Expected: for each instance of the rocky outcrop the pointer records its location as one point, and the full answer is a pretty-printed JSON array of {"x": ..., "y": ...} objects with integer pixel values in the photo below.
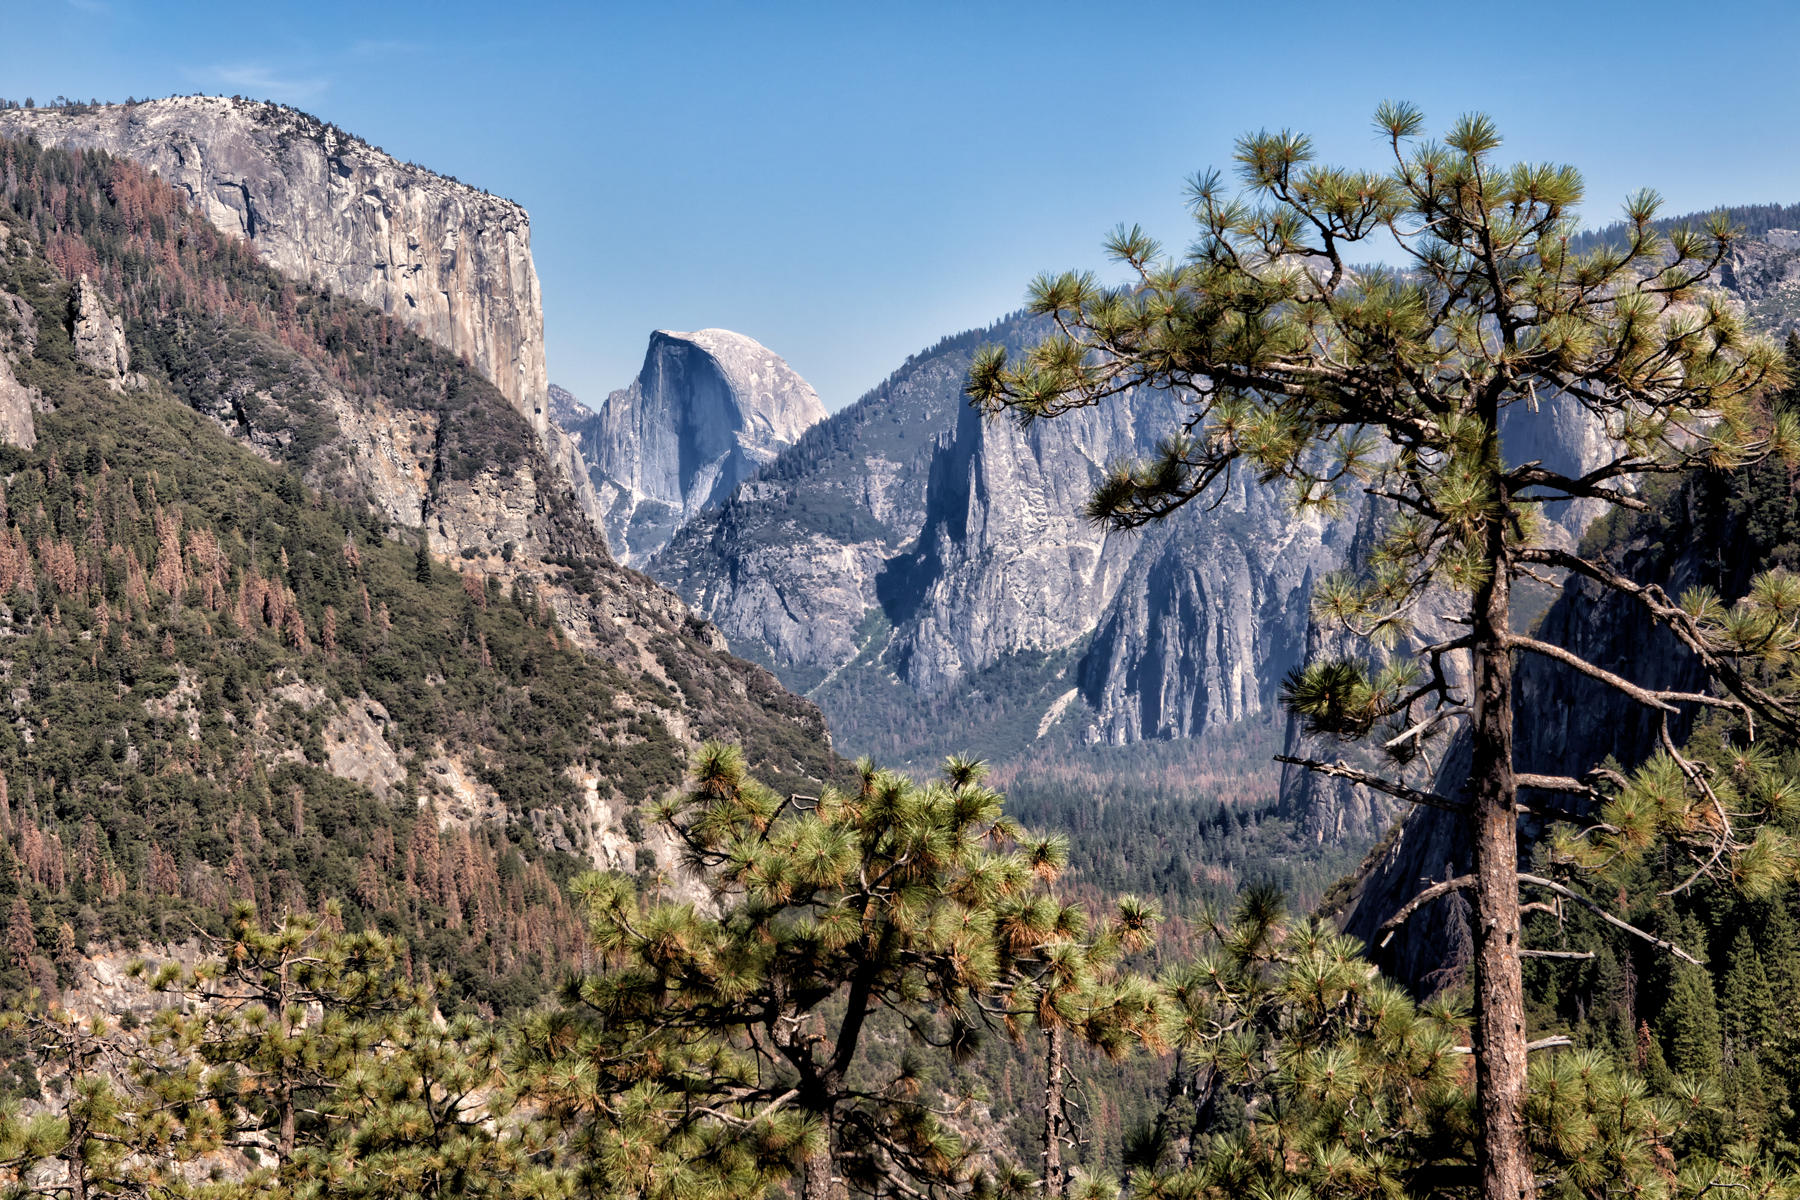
[
  {"x": 705, "y": 412},
  {"x": 18, "y": 403},
  {"x": 18, "y": 337},
  {"x": 452, "y": 262},
  {"x": 1764, "y": 272},
  {"x": 1187, "y": 627},
  {"x": 565, "y": 410},
  {"x": 99, "y": 335},
  {"x": 801, "y": 565}
]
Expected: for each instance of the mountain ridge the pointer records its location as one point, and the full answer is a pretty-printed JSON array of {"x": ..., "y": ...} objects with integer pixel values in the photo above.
[
  {"x": 705, "y": 412},
  {"x": 322, "y": 206},
  {"x": 200, "y": 577}
]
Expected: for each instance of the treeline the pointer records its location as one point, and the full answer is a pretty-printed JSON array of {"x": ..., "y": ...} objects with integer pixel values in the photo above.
[
  {"x": 1192, "y": 822},
  {"x": 192, "y": 642},
  {"x": 1754, "y": 220}
]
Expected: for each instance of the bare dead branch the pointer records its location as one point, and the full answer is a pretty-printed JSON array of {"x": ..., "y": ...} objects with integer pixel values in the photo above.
[
  {"x": 1663, "y": 701},
  {"x": 1343, "y": 770},
  {"x": 1392, "y": 925},
  {"x": 1615, "y": 922},
  {"x": 1577, "y": 955}
]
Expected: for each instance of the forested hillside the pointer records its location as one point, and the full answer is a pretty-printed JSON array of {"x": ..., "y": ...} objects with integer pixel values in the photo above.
[{"x": 233, "y": 676}]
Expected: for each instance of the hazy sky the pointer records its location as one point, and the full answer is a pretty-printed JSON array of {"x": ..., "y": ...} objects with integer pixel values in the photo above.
[{"x": 848, "y": 182}]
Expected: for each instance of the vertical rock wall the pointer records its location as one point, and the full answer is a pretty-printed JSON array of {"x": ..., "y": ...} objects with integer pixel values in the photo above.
[
  {"x": 453, "y": 262},
  {"x": 707, "y": 409}
]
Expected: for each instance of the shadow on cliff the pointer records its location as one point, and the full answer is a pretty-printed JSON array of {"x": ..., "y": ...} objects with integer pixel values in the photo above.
[{"x": 1712, "y": 529}]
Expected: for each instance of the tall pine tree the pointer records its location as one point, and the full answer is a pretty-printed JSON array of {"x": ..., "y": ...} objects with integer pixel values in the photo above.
[{"x": 1390, "y": 386}]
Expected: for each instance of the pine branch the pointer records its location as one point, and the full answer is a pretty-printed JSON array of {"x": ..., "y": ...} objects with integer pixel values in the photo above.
[{"x": 1343, "y": 770}]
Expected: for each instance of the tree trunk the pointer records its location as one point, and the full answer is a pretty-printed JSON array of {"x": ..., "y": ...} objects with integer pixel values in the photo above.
[
  {"x": 816, "y": 1182},
  {"x": 78, "y": 1181},
  {"x": 289, "y": 1123},
  {"x": 1054, "y": 1180},
  {"x": 285, "y": 1140},
  {"x": 1499, "y": 1040}
]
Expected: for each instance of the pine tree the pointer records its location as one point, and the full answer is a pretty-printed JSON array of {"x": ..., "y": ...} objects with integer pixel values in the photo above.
[
  {"x": 21, "y": 935},
  {"x": 735, "y": 1029},
  {"x": 1355, "y": 1087},
  {"x": 427, "y": 1117},
  {"x": 282, "y": 1015},
  {"x": 1390, "y": 386},
  {"x": 1748, "y": 1009},
  {"x": 121, "y": 1119},
  {"x": 1064, "y": 975},
  {"x": 1690, "y": 1025}
]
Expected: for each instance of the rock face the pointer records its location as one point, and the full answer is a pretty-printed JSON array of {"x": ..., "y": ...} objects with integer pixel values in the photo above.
[
  {"x": 99, "y": 336},
  {"x": 565, "y": 410},
  {"x": 420, "y": 438},
  {"x": 907, "y": 540},
  {"x": 325, "y": 208},
  {"x": 18, "y": 425},
  {"x": 1764, "y": 272},
  {"x": 705, "y": 412},
  {"x": 318, "y": 204},
  {"x": 906, "y": 556},
  {"x": 1183, "y": 629},
  {"x": 18, "y": 338}
]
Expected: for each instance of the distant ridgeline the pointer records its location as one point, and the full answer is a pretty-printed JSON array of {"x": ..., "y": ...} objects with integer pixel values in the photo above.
[
  {"x": 233, "y": 669},
  {"x": 1754, "y": 220}
]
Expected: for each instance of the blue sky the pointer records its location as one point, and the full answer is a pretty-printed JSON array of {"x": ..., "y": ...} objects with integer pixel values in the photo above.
[{"x": 849, "y": 182}]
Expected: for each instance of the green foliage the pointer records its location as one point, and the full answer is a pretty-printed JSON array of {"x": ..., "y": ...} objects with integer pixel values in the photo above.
[
  {"x": 304, "y": 1046},
  {"x": 1347, "y": 383},
  {"x": 1303, "y": 1073},
  {"x": 737, "y": 1028}
]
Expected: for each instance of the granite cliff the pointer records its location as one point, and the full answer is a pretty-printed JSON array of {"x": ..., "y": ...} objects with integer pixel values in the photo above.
[
  {"x": 213, "y": 605},
  {"x": 323, "y": 206},
  {"x": 906, "y": 556},
  {"x": 706, "y": 411}
]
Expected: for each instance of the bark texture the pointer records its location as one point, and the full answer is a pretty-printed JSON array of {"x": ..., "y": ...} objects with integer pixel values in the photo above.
[
  {"x": 1499, "y": 1037},
  {"x": 1055, "y": 1059}
]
